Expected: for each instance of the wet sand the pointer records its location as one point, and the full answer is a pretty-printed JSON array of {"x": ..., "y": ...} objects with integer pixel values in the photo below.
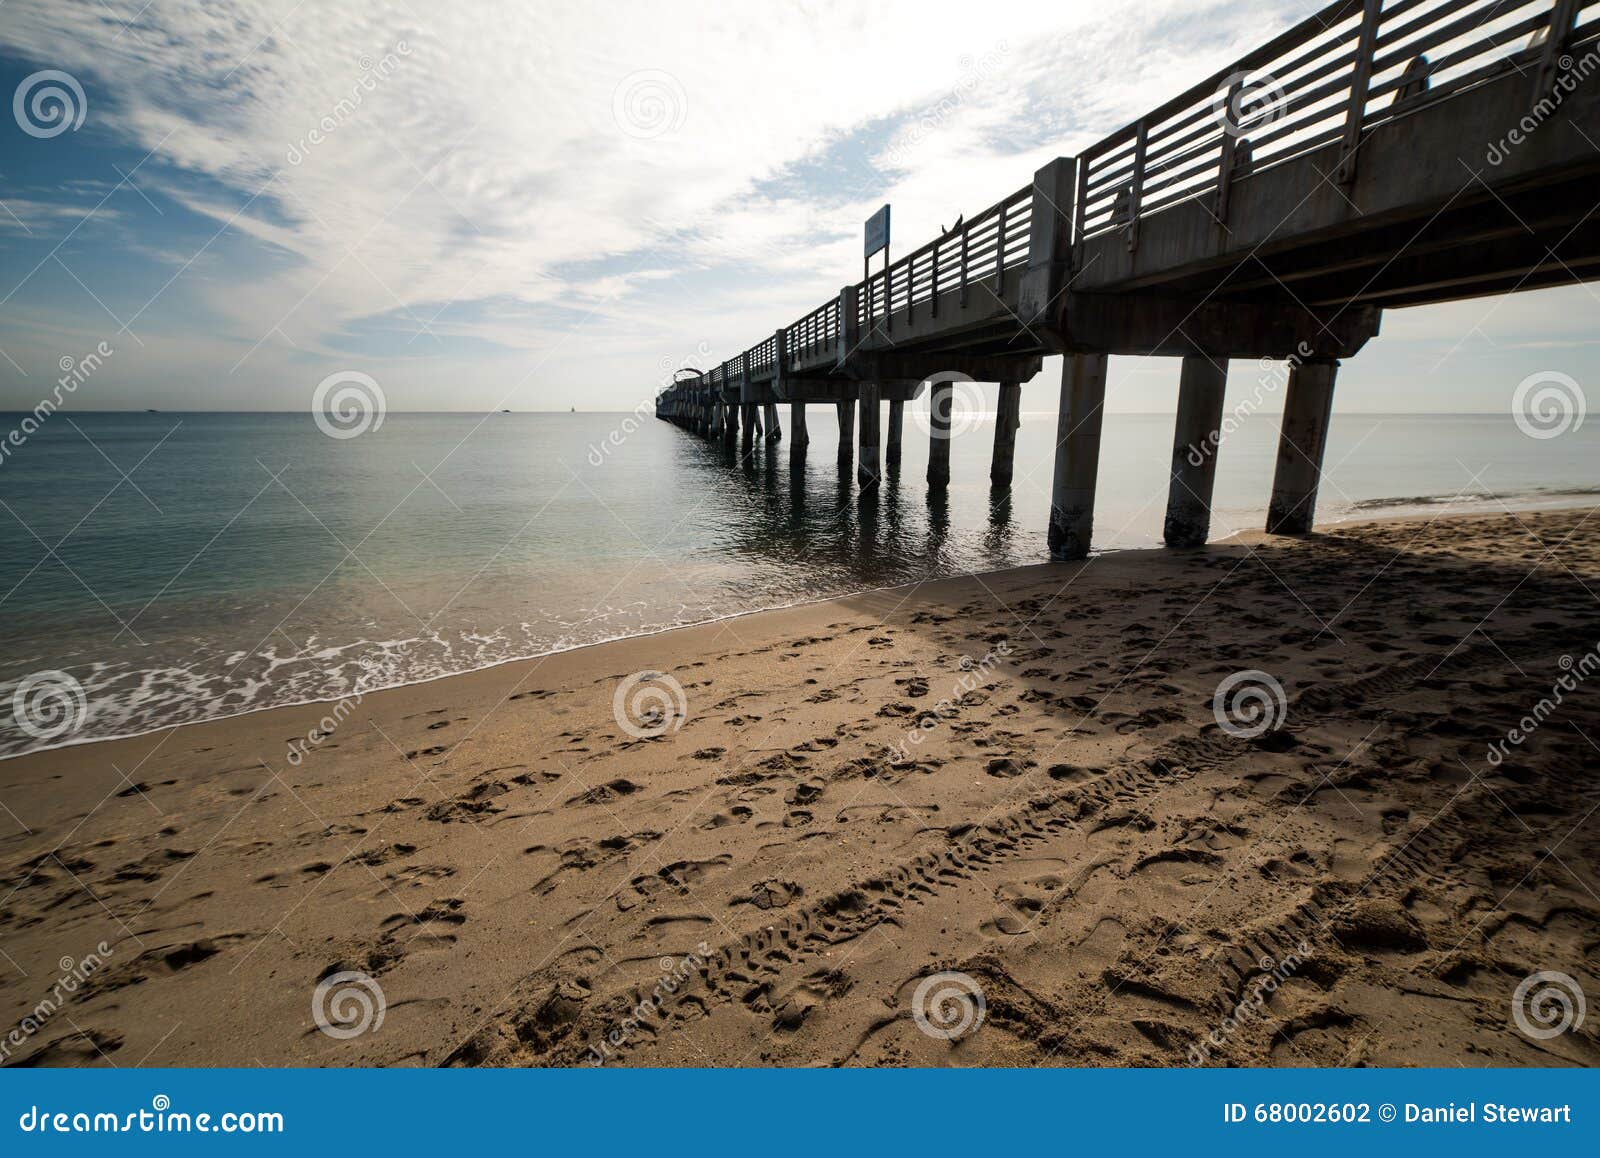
[{"x": 768, "y": 868}]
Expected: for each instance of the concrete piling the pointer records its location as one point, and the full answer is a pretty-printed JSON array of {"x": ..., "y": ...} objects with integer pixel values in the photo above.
[
  {"x": 891, "y": 453},
  {"x": 1083, "y": 397},
  {"x": 1307, "y": 409},
  {"x": 800, "y": 438},
  {"x": 939, "y": 401},
  {"x": 869, "y": 454},
  {"x": 1201, "y": 386},
  {"x": 774, "y": 431},
  {"x": 1008, "y": 417},
  {"x": 847, "y": 429}
]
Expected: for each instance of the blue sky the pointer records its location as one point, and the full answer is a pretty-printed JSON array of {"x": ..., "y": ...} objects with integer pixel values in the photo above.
[{"x": 552, "y": 205}]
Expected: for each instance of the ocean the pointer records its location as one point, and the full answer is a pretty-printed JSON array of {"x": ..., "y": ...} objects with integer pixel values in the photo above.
[{"x": 182, "y": 567}]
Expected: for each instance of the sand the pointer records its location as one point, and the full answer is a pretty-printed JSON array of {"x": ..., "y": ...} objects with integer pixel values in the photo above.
[{"x": 1109, "y": 876}]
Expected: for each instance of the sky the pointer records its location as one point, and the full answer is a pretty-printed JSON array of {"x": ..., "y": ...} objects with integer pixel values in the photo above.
[{"x": 535, "y": 206}]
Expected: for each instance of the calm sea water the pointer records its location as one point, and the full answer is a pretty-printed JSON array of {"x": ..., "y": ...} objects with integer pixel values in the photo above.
[{"x": 189, "y": 566}]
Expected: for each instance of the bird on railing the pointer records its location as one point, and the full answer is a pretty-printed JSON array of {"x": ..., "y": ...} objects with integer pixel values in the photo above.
[
  {"x": 1414, "y": 80},
  {"x": 956, "y": 228}
]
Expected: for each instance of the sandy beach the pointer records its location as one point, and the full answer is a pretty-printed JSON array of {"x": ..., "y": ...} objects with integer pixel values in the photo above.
[{"x": 1022, "y": 778}]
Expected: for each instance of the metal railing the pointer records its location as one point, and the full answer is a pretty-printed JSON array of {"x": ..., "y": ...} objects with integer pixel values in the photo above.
[
  {"x": 1333, "y": 77},
  {"x": 1345, "y": 70},
  {"x": 976, "y": 253}
]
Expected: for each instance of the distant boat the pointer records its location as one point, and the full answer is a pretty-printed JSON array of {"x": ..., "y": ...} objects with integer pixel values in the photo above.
[
  {"x": 574, "y": 410},
  {"x": 505, "y": 412},
  {"x": 151, "y": 410}
]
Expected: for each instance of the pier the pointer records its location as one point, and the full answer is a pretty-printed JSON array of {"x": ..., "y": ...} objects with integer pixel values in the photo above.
[{"x": 1381, "y": 153}]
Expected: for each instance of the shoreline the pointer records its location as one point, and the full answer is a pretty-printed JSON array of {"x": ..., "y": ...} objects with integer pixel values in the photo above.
[
  {"x": 1571, "y": 500},
  {"x": 506, "y": 856}
]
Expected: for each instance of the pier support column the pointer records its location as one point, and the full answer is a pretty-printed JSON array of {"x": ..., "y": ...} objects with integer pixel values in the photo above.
[
  {"x": 1307, "y": 409},
  {"x": 869, "y": 452},
  {"x": 774, "y": 431},
  {"x": 940, "y": 396},
  {"x": 1083, "y": 398},
  {"x": 847, "y": 429},
  {"x": 897, "y": 416},
  {"x": 731, "y": 430},
  {"x": 748, "y": 412},
  {"x": 1201, "y": 386},
  {"x": 800, "y": 437},
  {"x": 1007, "y": 418}
]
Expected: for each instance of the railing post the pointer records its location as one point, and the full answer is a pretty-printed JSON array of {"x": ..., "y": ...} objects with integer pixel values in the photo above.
[
  {"x": 1080, "y": 203},
  {"x": 1136, "y": 190},
  {"x": 849, "y": 325},
  {"x": 964, "y": 237},
  {"x": 1562, "y": 18},
  {"x": 1051, "y": 233},
  {"x": 1225, "y": 164},
  {"x": 1360, "y": 81},
  {"x": 1000, "y": 253}
]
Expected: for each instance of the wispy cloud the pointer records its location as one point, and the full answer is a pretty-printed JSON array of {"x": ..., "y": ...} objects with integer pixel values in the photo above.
[{"x": 478, "y": 199}]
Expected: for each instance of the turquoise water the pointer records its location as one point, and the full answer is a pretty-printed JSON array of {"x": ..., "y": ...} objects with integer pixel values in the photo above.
[{"x": 188, "y": 566}]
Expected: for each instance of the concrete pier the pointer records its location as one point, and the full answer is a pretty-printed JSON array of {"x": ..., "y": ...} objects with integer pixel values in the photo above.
[
  {"x": 774, "y": 431},
  {"x": 1008, "y": 416},
  {"x": 847, "y": 429},
  {"x": 869, "y": 437},
  {"x": 891, "y": 450},
  {"x": 1306, "y": 412},
  {"x": 1201, "y": 386},
  {"x": 748, "y": 413},
  {"x": 800, "y": 438},
  {"x": 731, "y": 430},
  {"x": 939, "y": 401},
  {"x": 1083, "y": 397}
]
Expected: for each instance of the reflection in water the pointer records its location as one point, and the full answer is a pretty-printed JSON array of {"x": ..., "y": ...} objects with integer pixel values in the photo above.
[{"x": 536, "y": 532}]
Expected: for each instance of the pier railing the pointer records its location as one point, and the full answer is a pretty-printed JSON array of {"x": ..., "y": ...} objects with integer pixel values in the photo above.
[
  {"x": 985, "y": 248},
  {"x": 1350, "y": 67},
  {"x": 1339, "y": 73}
]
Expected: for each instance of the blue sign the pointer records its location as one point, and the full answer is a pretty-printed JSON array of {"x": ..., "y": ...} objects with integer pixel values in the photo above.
[{"x": 877, "y": 231}]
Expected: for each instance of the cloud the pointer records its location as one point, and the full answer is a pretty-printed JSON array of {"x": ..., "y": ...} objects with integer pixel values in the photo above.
[{"x": 557, "y": 199}]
